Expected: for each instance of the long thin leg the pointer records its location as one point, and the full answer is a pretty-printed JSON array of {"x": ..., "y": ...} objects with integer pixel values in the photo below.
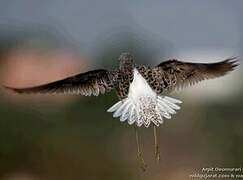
[
  {"x": 156, "y": 145},
  {"x": 139, "y": 153}
]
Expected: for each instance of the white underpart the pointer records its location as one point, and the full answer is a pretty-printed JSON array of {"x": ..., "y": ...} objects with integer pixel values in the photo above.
[{"x": 143, "y": 105}]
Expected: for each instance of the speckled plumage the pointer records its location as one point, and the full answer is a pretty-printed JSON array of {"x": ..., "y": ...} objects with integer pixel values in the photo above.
[
  {"x": 149, "y": 105},
  {"x": 173, "y": 74},
  {"x": 139, "y": 88},
  {"x": 165, "y": 77}
]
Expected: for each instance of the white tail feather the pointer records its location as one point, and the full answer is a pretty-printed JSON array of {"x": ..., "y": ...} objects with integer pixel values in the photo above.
[
  {"x": 128, "y": 110},
  {"x": 166, "y": 107},
  {"x": 172, "y": 105},
  {"x": 126, "y": 113},
  {"x": 163, "y": 112},
  {"x": 173, "y": 100},
  {"x": 115, "y": 107},
  {"x": 120, "y": 109},
  {"x": 143, "y": 105},
  {"x": 132, "y": 117}
]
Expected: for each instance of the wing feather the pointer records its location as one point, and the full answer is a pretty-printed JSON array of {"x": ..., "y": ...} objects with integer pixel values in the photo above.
[
  {"x": 178, "y": 74},
  {"x": 89, "y": 83}
]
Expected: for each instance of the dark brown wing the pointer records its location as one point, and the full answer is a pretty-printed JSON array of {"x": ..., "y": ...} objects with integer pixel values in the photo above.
[
  {"x": 87, "y": 84},
  {"x": 177, "y": 74}
]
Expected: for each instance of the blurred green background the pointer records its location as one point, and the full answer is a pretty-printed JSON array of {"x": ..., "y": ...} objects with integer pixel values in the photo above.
[{"x": 65, "y": 137}]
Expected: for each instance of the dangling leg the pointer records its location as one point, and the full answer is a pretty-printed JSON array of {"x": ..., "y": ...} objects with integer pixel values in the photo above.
[
  {"x": 139, "y": 153},
  {"x": 156, "y": 145}
]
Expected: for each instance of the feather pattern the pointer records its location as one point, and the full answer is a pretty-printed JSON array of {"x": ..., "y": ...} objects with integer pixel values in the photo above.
[
  {"x": 174, "y": 74},
  {"x": 143, "y": 105},
  {"x": 133, "y": 112},
  {"x": 90, "y": 83},
  {"x": 139, "y": 88}
]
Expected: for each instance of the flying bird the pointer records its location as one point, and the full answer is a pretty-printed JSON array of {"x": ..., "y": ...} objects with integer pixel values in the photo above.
[{"x": 140, "y": 89}]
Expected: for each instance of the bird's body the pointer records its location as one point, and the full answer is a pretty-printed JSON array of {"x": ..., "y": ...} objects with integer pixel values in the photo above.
[
  {"x": 142, "y": 105},
  {"x": 140, "y": 89}
]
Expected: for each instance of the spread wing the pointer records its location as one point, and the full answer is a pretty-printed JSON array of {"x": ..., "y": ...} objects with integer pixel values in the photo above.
[
  {"x": 90, "y": 83},
  {"x": 177, "y": 74}
]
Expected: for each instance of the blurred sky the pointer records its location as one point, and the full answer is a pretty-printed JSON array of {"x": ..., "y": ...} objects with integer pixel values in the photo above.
[{"x": 183, "y": 24}]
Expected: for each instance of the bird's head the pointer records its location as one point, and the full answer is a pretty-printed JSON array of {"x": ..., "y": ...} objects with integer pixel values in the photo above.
[{"x": 126, "y": 61}]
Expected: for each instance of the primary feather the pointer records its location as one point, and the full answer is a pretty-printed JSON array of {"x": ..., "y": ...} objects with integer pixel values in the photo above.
[{"x": 90, "y": 83}]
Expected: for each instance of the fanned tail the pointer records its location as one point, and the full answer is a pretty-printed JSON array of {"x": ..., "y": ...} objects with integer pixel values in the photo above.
[{"x": 146, "y": 110}]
